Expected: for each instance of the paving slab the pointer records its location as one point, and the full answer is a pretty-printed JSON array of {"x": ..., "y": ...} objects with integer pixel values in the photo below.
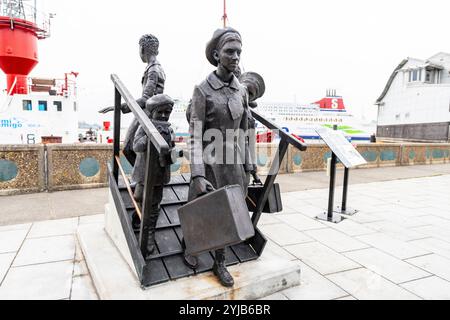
[
  {"x": 314, "y": 286},
  {"x": 321, "y": 258},
  {"x": 83, "y": 289},
  {"x": 364, "y": 284},
  {"x": 396, "y": 231},
  {"x": 278, "y": 250},
  {"x": 434, "y": 264},
  {"x": 437, "y": 246},
  {"x": 401, "y": 220},
  {"x": 53, "y": 228},
  {"x": 16, "y": 227},
  {"x": 300, "y": 222},
  {"x": 275, "y": 297},
  {"x": 10, "y": 241},
  {"x": 6, "y": 260},
  {"x": 386, "y": 265},
  {"x": 363, "y": 218},
  {"x": 80, "y": 269},
  {"x": 433, "y": 231},
  {"x": 50, "y": 281},
  {"x": 432, "y": 288},
  {"x": 435, "y": 221},
  {"x": 312, "y": 211},
  {"x": 283, "y": 234},
  {"x": 336, "y": 240},
  {"x": 349, "y": 298},
  {"x": 268, "y": 219},
  {"x": 351, "y": 228},
  {"x": 98, "y": 218},
  {"x": 44, "y": 250},
  {"x": 397, "y": 248}
]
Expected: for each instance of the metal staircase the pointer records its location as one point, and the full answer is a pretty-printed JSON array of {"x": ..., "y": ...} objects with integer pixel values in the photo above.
[{"x": 168, "y": 264}]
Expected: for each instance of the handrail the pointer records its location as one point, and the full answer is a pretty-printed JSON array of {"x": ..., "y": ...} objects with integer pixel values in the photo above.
[
  {"x": 289, "y": 138},
  {"x": 155, "y": 137},
  {"x": 128, "y": 186}
]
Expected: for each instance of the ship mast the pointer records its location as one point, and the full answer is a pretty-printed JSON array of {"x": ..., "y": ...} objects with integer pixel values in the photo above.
[{"x": 225, "y": 16}]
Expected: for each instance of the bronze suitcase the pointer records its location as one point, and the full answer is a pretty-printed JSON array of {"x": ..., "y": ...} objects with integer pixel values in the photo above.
[
  {"x": 217, "y": 220},
  {"x": 273, "y": 204}
]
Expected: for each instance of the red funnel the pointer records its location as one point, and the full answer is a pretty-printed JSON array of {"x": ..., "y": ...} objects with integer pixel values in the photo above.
[{"x": 18, "y": 52}]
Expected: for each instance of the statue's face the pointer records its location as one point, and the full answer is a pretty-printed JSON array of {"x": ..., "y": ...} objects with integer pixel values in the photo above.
[
  {"x": 162, "y": 113},
  {"x": 230, "y": 55},
  {"x": 142, "y": 54}
]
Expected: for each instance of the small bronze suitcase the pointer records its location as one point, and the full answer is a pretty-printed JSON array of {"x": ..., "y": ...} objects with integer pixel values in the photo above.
[
  {"x": 273, "y": 204},
  {"x": 217, "y": 220}
]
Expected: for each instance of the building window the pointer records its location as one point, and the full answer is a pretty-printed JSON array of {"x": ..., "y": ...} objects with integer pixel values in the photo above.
[
  {"x": 42, "y": 106},
  {"x": 27, "y": 106},
  {"x": 428, "y": 76},
  {"x": 397, "y": 117},
  {"x": 58, "y": 105},
  {"x": 75, "y": 106},
  {"x": 415, "y": 75},
  {"x": 407, "y": 115}
]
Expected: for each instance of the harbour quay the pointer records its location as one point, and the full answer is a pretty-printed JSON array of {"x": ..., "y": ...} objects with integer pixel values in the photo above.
[
  {"x": 396, "y": 247},
  {"x": 58, "y": 167}
]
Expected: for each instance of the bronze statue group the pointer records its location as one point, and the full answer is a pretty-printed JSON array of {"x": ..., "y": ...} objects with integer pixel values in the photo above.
[{"x": 221, "y": 103}]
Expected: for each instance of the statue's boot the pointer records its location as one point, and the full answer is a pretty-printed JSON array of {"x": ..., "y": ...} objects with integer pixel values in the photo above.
[
  {"x": 220, "y": 270},
  {"x": 190, "y": 261},
  {"x": 136, "y": 222},
  {"x": 138, "y": 196},
  {"x": 139, "y": 192},
  {"x": 151, "y": 246}
]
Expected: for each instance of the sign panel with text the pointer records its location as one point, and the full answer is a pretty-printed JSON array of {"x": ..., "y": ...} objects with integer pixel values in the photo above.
[{"x": 341, "y": 147}]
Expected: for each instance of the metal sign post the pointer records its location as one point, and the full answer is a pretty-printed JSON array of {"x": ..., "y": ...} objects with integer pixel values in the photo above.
[
  {"x": 349, "y": 157},
  {"x": 331, "y": 215},
  {"x": 343, "y": 209}
]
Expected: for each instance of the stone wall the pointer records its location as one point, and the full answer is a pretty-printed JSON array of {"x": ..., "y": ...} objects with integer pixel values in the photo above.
[
  {"x": 21, "y": 169},
  {"x": 64, "y": 167},
  {"x": 77, "y": 166}
]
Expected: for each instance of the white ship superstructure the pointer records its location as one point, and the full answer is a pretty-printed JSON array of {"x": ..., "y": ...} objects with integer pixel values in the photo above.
[
  {"x": 302, "y": 120},
  {"x": 27, "y": 118}
]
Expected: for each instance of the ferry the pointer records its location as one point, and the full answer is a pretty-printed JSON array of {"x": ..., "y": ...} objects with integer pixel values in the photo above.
[
  {"x": 303, "y": 120},
  {"x": 297, "y": 119}
]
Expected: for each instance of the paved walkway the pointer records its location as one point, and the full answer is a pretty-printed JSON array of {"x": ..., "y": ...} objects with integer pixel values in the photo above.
[
  {"x": 71, "y": 204},
  {"x": 396, "y": 247}
]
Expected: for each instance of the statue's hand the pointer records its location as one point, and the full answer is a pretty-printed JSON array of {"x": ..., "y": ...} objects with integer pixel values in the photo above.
[
  {"x": 201, "y": 186},
  {"x": 256, "y": 178},
  {"x": 253, "y": 104},
  {"x": 106, "y": 110}
]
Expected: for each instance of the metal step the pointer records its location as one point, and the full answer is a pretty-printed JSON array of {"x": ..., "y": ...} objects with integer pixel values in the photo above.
[{"x": 168, "y": 263}]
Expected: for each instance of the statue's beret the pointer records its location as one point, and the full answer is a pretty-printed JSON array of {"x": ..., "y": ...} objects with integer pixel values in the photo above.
[
  {"x": 212, "y": 44},
  {"x": 157, "y": 101}
]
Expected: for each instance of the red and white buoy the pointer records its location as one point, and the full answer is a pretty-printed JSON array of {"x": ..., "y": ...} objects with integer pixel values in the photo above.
[{"x": 20, "y": 29}]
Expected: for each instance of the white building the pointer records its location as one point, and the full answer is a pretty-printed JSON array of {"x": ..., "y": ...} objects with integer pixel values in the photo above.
[{"x": 415, "y": 104}]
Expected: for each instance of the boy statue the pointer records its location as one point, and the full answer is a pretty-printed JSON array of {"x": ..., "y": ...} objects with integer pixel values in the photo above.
[
  {"x": 153, "y": 82},
  {"x": 158, "y": 108}
]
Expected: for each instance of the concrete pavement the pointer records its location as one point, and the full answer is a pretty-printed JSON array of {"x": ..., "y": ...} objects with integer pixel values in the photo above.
[
  {"x": 70, "y": 204},
  {"x": 396, "y": 247}
]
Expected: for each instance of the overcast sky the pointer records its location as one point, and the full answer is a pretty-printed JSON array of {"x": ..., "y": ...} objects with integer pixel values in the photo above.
[{"x": 300, "y": 47}]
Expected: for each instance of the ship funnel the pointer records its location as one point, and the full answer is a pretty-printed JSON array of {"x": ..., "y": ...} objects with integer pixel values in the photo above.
[{"x": 20, "y": 28}]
